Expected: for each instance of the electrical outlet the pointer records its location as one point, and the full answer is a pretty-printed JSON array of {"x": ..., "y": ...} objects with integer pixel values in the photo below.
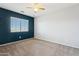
[{"x": 19, "y": 37}]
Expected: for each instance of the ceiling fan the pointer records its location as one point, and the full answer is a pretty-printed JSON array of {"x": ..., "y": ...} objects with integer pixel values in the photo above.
[{"x": 37, "y": 7}]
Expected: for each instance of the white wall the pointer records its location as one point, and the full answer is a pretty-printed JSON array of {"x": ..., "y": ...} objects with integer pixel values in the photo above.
[{"x": 60, "y": 27}]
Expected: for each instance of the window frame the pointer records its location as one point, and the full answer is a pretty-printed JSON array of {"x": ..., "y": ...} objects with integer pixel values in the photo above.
[{"x": 20, "y": 25}]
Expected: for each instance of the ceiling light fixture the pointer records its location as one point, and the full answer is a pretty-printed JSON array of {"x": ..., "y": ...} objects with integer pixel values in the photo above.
[{"x": 37, "y": 7}]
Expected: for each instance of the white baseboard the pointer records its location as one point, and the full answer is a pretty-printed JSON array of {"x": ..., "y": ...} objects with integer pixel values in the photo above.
[{"x": 37, "y": 37}]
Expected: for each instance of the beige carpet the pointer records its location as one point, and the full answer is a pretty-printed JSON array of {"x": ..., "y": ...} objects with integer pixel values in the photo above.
[{"x": 36, "y": 47}]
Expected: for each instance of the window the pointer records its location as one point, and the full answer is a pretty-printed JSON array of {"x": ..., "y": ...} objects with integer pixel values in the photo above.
[{"x": 19, "y": 25}]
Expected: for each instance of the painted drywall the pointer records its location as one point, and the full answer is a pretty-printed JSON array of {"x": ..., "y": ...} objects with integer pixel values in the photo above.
[
  {"x": 5, "y": 34},
  {"x": 60, "y": 27}
]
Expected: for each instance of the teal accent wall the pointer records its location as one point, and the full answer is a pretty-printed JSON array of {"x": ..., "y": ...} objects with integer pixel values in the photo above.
[{"x": 5, "y": 35}]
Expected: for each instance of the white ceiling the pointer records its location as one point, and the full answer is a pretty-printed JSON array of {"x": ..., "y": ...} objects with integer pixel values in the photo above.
[{"x": 50, "y": 7}]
